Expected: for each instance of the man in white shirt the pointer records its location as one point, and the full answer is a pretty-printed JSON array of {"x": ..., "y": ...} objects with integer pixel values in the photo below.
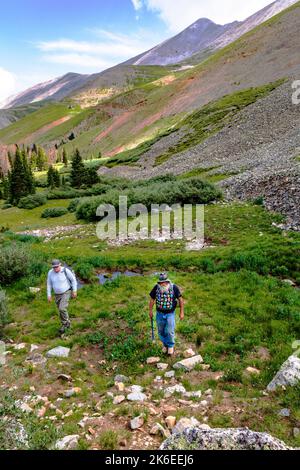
[{"x": 64, "y": 284}]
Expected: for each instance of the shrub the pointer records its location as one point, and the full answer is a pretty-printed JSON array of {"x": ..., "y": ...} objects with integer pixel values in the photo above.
[
  {"x": 54, "y": 212},
  {"x": 84, "y": 270},
  {"x": 6, "y": 206},
  {"x": 189, "y": 191},
  {"x": 14, "y": 263},
  {"x": 32, "y": 201},
  {"x": 73, "y": 205},
  {"x": 4, "y": 313}
]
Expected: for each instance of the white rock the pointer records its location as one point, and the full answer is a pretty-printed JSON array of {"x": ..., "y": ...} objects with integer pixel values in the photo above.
[
  {"x": 67, "y": 443},
  {"x": 288, "y": 374},
  {"x": 253, "y": 371},
  {"x": 178, "y": 388},
  {"x": 153, "y": 360},
  {"x": 136, "y": 396},
  {"x": 170, "y": 421},
  {"x": 188, "y": 364},
  {"x": 196, "y": 394},
  {"x": 33, "y": 347},
  {"x": 184, "y": 423},
  {"x": 170, "y": 374},
  {"x": 118, "y": 399},
  {"x": 162, "y": 366},
  {"x": 60, "y": 351},
  {"x": 20, "y": 346},
  {"x": 137, "y": 422},
  {"x": 135, "y": 388},
  {"x": 159, "y": 429},
  {"x": 188, "y": 353}
]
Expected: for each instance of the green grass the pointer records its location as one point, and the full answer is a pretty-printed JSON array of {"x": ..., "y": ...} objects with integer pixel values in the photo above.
[{"x": 18, "y": 131}]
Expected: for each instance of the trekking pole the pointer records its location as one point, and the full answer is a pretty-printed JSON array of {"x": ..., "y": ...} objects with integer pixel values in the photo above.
[{"x": 152, "y": 330}]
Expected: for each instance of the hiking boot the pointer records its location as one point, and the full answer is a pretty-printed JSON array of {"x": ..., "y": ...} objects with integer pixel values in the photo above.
[{"x": 170, "y": 351}]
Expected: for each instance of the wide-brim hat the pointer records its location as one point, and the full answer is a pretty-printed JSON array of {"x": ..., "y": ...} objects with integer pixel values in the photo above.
[{"x": 163, "y": 277}]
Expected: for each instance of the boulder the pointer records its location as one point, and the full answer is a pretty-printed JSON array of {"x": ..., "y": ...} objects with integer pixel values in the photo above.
[
  {"x": 67, "y": 443},
  {"x": 137, "y": 422},
  {"x": 170, "y": 374},
  {"x": 136, "y": 396},
  {"x": 153, "y": 360},
  {"x": 60, "y": 351},
  {"x": 288, "y": 374},
  {"x": 188, "y": 364},
  {"x": 285, "y": 412},
  {"x": 136, "y": 388},
  {"x": 195, "y": 438}
]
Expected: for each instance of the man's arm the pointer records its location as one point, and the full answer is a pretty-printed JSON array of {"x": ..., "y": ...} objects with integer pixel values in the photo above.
[
  {"x": 151, "y": 303},
  {"x": 49, "y": 287},
  {"x": 181, "y": 304}
]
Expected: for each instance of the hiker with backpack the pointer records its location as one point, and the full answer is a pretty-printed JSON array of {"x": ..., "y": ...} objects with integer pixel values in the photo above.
[
  {"x": 64, "y": 284},
  {"x": 165, "y": 294}
]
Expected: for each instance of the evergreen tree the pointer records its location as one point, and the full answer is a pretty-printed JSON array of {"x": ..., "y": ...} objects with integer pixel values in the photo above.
[
  {"x": 41, "y": 160},
  {"x": 20, "y": 179},
  {"x": 53, "y": 179},
  {"x": 90, "y": 176},
  {"x": 65, "y": 157},
  {"x": 77, "y": 176}
]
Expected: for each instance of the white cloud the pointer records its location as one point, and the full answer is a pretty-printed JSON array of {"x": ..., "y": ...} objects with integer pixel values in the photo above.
[
  {"x": 110, "y": 49},
  {"x": 137, "y": 4},
  {"x": 8, "y": 84},
  {"x": 81, "y": 60},
  {"x": 178, "y": 14}
]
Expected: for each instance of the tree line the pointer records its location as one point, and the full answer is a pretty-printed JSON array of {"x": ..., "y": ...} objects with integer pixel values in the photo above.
[{"x": 19, "y": 182}]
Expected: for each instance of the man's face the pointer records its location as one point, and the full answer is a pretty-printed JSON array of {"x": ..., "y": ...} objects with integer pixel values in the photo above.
[
  {"x": 57, "y": 268},
  {"x": 164, "y": 284}
]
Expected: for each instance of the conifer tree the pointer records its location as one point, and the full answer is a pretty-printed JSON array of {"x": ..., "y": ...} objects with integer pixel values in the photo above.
[
  {"x": 20, "y": 179},
  {"x": 65, "y": 157},
  {"x": 77, "y": 176}
]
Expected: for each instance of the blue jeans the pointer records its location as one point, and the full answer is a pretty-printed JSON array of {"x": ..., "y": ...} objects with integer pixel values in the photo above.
[{"x": 166, "y": 328}]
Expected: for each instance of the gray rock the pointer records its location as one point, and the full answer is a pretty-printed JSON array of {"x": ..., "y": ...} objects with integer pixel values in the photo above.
[
  {"x": 288, "y": 374},
  {"x": 194, "y": 438},
  {"x": 296, "y": 432},
  {"x": 60, "y": 351},
  {"x": 67, "y": 443},
  {"x": 136, "y": 396},
  {"x": 15, "y": 434},
  {"x": 184, "y": 423},
  {"x": 197, "y": 394},
  {"x": 189, "y": 363},
  {"x": 36, "y": 359},
  {"x": 137, "y": 422},
  {"x": 159, "y": 429},
  {"x": 285, "y": 412},
  {"x": 121, "y": 378},
  {"x": 178, "y": 388},
  {"x": 170, "y": 374},
  {"x": 136, "y": 389}
]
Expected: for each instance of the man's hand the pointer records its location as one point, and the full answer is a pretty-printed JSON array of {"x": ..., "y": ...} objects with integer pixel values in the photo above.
[
  {"x": 49, "y": 299},
  {"x": 74, "y": 295}
]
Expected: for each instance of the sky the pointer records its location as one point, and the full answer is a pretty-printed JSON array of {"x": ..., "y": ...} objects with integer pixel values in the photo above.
[{"x": 41, "y": 40}]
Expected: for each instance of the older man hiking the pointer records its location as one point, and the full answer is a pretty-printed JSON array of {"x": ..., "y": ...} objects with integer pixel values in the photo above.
[
  {"x": 165, "y": 295},
  {"x": 64, "y": 284}
]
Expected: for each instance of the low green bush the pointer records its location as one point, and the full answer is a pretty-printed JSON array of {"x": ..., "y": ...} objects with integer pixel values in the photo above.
[
  {"x": 4, "y": 313},
  {"x": 32, "y": 201},
  {"x": 51, "y": 212},
  {"x": 14, "y": 263},
  {"x": 6, "y": 206}
]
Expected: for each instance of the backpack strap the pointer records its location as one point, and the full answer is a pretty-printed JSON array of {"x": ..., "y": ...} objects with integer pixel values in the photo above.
[{"x": 67, "y": 277}]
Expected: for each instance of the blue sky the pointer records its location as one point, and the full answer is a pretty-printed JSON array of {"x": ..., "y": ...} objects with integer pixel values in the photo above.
[{"x": 40, "y": 40}]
